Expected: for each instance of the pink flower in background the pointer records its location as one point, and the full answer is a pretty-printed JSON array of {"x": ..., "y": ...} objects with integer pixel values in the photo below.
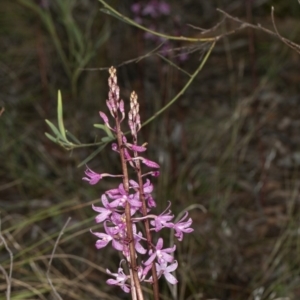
[
  {"x": 136, "y": 8},
  {"x": 145, "y": 10},
  {"x": 156, "y": 8}
]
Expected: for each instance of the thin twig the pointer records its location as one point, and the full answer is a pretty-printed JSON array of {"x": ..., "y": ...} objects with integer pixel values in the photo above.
[
  {"x": 289, "y": 43},
  {"x": 244, "y": 24},
  {"x": 50, "y": 262},
  {"x": 133, "y": 60},
  {"x": 174, "y": 65},
  {"x": 155, "y": 51},
  {"x": 111, "y": 11},
  {"x": 212, "y": 29},
  {"x": 184, "y": 88}
]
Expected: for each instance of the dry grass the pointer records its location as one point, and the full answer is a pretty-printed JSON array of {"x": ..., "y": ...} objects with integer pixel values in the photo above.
[{"x": 230, "y": 143}]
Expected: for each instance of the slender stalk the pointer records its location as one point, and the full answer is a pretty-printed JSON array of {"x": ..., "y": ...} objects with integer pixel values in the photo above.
[
  {"x": 135, "y": 125},
  {"x": 146, "y": 221},
  {"x": 136, "y": 287},
  {"x": 182, "y": 91}
]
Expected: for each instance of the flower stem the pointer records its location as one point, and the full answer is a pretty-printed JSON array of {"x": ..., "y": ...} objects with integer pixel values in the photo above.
[
  {"x": 136, "y": 287},
  {"x": 146, "y": 222}
]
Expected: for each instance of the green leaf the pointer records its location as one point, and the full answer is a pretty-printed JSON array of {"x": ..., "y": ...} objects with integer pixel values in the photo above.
[
  {"x": 106, "y": 139},
  {"x": 109, "y": 133},
  {"x": 54, "y": 129},
  {"x": 91, "y": 156},
  {"x": 100, "y": 126},
  {"x": 60, "y": 116},
  {"x": 106, "y": 129},
  {"x": 51, "y": 138}
]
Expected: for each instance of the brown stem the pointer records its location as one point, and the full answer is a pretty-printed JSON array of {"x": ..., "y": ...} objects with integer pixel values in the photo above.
[
  {"x": 146, "y": 223},
  {"x": 132, "y": 265}
]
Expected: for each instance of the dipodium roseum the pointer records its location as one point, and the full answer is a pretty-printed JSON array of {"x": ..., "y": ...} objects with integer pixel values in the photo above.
[{"x": 125, "y": 211}]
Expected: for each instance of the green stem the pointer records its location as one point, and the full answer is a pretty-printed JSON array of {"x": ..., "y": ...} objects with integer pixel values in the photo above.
[
  {"x": 110, "y": 10},
  {"x": 184, "y": 88}
]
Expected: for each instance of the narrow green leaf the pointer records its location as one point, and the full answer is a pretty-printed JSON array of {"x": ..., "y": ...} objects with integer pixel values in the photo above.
[
  {"x": 72, "y": 137},
  {"x": 91, "y": 156},
  {"x": 106, "y": 129},
  {"x": 51, "y": 138},
  {"x": 111, "y": 13},
  {"x": 100, "y": 126},
  {"x": 60, "y": 116},
  {"x": 109, "y": 133},
  {"x": 106, "y": 139},
  {"x": 67, "y": 145},
  {"x": 54, "y": 129}
]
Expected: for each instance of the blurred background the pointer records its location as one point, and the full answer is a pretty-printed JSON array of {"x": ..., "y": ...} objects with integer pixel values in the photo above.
[{"x": 230, "y": 143}]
